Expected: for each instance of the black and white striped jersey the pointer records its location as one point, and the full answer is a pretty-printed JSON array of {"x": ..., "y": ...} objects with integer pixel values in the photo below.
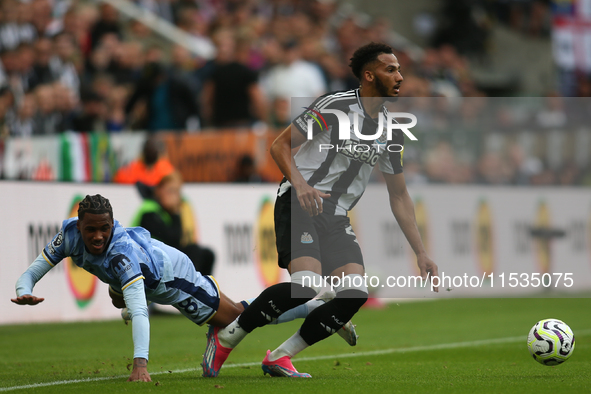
[{"x": 344, "y": 170}]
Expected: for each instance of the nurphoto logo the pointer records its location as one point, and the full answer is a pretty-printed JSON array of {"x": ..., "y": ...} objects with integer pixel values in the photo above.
[{"x": 387, "y": 122}]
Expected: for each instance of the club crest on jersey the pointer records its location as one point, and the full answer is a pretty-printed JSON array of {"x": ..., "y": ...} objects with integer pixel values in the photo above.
[
  {"x": 58, "y": 239},
  {"x": 383, "y": 139},
  {"x": 306, "y": 238}
]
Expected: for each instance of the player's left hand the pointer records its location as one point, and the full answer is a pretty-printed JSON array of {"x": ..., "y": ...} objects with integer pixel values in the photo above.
[
  {"x": 428, "y": 269},
  {"x": 140, "y": 371},
  {"x": 28, "y": 299},
  {"x": 116, "y": 299}
]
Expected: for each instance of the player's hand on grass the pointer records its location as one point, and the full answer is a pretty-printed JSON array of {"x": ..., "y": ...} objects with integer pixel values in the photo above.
[
  {"x": 310, "y": 199},
  {"x": 28, "y": 299},
  {"x": 140, "y": 371},
  {"x": 428, "y": 269}
]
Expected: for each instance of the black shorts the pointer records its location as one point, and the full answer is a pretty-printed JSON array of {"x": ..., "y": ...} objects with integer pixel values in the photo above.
[{"x": 327, "y": 238}]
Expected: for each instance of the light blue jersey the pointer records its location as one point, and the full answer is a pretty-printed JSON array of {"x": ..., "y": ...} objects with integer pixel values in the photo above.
[
  {"x": 169, "y": 275},
  {"x": 138, "y": 267}
]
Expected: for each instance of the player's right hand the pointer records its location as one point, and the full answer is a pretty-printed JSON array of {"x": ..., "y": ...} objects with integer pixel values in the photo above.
[
  {"x": 140, "y": 371},
  {"x": 27, "y": 300},
  {"x": 310, "y": 199}
]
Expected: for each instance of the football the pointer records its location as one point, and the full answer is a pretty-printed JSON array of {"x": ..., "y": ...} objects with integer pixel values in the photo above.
[{"x": 551, "y": 342}]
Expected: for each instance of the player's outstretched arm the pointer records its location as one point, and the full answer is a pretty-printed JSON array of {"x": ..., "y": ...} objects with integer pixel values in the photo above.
[
  {"x": 135, "y": 299},
  {"x": 26, "y": 282},
  {"x": 404, "y": 212}
]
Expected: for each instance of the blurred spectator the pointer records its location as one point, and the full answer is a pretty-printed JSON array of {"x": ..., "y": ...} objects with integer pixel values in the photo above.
[
  {"x": 169, "y": 218},
  {"x": 337, "y": 74},
  {"x": 26, "y": 30},
  {"x": 103, "y": 84},
  {"x": 47, "y": 119},
  {"x": 246, "y": 171},
  {"x": 493, "y": 170},
  {"x": 192, "y": 22},
  {"x": 42, "y": 69},
  {"x": 93, "y": 115},
  {"x": 116, "y": 109},
  {"x": 231, "y": 96},
  {"x": 183, "y": 64},
  {"x": 42, "y": 17},
  {"x": 65, "y": 105},
  {"x": 440, "y": 163},
  {"x": 170, "y": 103},
  {"x": 108, "y": 23},
  {"x": 524, "y": 167},
  {"x": 463, "y": 24},
  {"x": 553, "y": 114},
  {"x": 26, "y": 59},
  {"x": 127, "y": 63},
  {"x": 531, "y": 17},
  {"x": 9, "y": 28},
  {"x": 280, "y": 113},
  {"x": 293, "y": 76},
  {"x": 6, "y": 102},
  {"x": 63, "y": 64},
  {"x": 24, "y": 124},
  {"x": 544, "y": 178},
  {"x": 75, "y": 25},
  {"x": 149, "y": 169},
  {"x": 97, "y": 64},
  {"x": 569, "y": 174},
  {"x": 154, "y": 54}
]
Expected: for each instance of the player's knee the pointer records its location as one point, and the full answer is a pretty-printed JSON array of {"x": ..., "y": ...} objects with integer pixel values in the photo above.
[{"x": 306, "y": 284}]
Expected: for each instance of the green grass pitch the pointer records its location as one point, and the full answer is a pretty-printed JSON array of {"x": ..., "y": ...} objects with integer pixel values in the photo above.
[{"x": 444, "y": 346}]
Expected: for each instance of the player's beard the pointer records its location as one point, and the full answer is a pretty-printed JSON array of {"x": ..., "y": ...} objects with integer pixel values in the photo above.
[{"x": 382, "y": 90}]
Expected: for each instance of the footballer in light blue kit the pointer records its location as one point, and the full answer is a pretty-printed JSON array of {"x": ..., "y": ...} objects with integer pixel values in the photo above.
[{"x": 138, "y": 268}]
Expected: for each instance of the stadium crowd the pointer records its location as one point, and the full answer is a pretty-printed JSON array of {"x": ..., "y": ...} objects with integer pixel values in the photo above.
[{"x": 69, "y": 65}]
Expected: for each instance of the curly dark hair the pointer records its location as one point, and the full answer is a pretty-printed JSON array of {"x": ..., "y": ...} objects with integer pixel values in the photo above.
[
  {"x": 367, "y": 54},
  {"x": 96, "y": 204}
]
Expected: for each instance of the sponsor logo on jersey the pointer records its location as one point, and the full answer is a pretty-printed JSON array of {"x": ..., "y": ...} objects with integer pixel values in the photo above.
[
  {"x": 306, "y": 238},
  {"x": 121, "y": 264},
  {"x": 58, "y": 239},
  {"x": 360, "y": 152}
]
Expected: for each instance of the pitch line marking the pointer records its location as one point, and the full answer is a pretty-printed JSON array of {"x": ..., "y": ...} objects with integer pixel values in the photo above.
[{"x": 453, "y": 345}]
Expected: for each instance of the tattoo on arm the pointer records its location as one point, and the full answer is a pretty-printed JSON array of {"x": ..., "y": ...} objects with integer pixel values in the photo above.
[{"x": 140, "y": 362}]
